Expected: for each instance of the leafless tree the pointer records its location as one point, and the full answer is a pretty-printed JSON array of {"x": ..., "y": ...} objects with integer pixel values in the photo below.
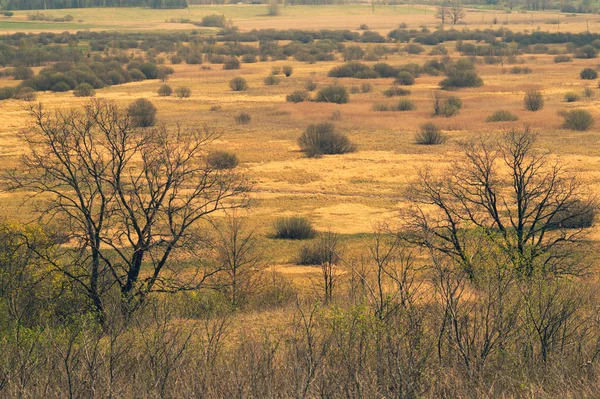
[
  {"x": 456, "y": 13},
  {"x": 442, "y": 12},
  {"x": 127, "y": 196},
  {"x": 239, "y": 260},
  {"x": 507, "y": 195}
]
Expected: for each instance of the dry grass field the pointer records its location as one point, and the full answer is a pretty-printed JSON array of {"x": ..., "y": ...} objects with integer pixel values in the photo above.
[{"x": 347, "y": 194}]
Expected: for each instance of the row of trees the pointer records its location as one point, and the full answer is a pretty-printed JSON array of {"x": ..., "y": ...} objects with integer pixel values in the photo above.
[{"x": 53, "y": 4}]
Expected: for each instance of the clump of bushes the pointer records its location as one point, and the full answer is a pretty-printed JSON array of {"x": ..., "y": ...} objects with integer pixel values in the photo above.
[
  {"x": 142, "y": 113},
  {"x": 320, "y": 252},
  {"x": 238, "y": 84},
  {"x": 84, "y": 90},
  {"x": 430, "y": 134},
  {"x": 26, "y": 94},
  {"x": 460, "y": 74},
  {"x": 231, "y": 63},
  {"x": 533, "y": 100},
  {"x": 321, "y": 139},
  {"x": 579, "y": 215},
  {"x": 571, "y": 97},
  {"x": 405, "y": 105},
  {"x": 405, "y": 78},
  {"x": 243, "y": 118},
  {"x": 298, "y": 96},
  {"x": 588, "y": 73},
  {"x": 447, "y": 107},
  {"x": 222, "y": 160},
  {"x": 502, "y": 116},
  {"x": 333, "y": 94},
  {"x": 586, "y": 51},
  {"x": 183, "y": 92},
  {"x": 165, "y": 90},
  {"x": 214, "y": 21},
  {"x": 578, "y": 119},
  {"x": 310, "y": 85},
  {"x": 562, "y": 58},
  {"x": 396, "y": 91},
  {"x": 294, "y": 228},
  {"x": 520, "y": 70},
  {"x": 271, "y": 80}
]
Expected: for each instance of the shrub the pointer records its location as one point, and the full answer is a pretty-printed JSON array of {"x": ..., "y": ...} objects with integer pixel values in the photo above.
[
  {"x": 348, "y": 70},
  {"x": 588, "y": 92},
  {"x": 222, "y": 160},
  {"x": 460, "y": 74},
  {"x": 333, "y": 94},
  {"x": 310, "y": 85},
  {"x": 533, "y": 100},
  {"x": 271, "y": 80},
  {"x": 243, "y": 118},
  {"x": 276, "y": 70},
  {"x": 136, "y": 75},
  {"x": 381, "y": 107},
  {"x": 586, "y": 51},
  {"x": 231, "y": 63},
  {"x": 84, "y": 90},
  {"x": 396, "y": 91},
  {"x": 323, "y": 139},
  {"x": 562, "y": 58},
  {"x": 298, "y": 96},
  {"x": 366, "y": 88},
  {"x": 430, "y": 134},
  {"x": 248, "y": 58},
  {"x": 405, "y": 105},
  {"x": 518, "y": 70},
  {"x": 287, "y": 70},
  {"x": 183, "y": 92},
  {"x": 149, "y": 70},
  {"x": 165, "y": 90},
  {"x": 447, "y": 107},
  {"x": 7, "y": 92},
  {"x": 413, "y": 48},
  {"x": 502, "y": 116},
  {"x": 175, "y": 59},
  {"x": 588, "y": 73},
  {"x": 60, "y": 87},
  {"x": 22, "y": 73},
  {"x": 571, "y": 97},
  {"x": 26, "y": 94},
  {"x": 214, "y": 20},
  {"x": 579, "y": 215},
  {"x": 142, "y": 113},
  {"x": 294, "y": 228},
  {"x": 238, "y": 84},
  {"x": 578, "y": 119},
  {"x": 385, "y": 70},
  {"x": 405, "y": 79},
  {"x": 317, "y": 253}
]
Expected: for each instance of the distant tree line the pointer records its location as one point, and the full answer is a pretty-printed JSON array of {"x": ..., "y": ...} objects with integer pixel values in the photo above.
[{"x": 52, "y": 4}]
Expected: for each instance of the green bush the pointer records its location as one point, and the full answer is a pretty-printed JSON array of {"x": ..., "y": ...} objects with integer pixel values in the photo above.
[
  {"x": 142, "y": 113},
  {"x": 413, "y": 48},
  {"x": 231, "y": 63},
  {"x": 84, "y": 90},
  {"x": 588, "y": 73},
  {"x": 460, "y": 74},
  {"x": 7, "y": 92},
  {"x": 562, "y": 58},
  {"x": 294, "y": 228},
  {"x": 405, "y": 79},
  {"x": 249, "y": 58},
  {"x": 586, "y": 51},
  {"x": 322, "y": 138},
  {"x": 60, "y": 87},
  {"x": 243, "y": 118},
  {"x": 214, "y": 21},
  {"x": 333, "y": 94},
  {"x": 287, "y": 70},
  {"x": 238, "y": 84},
  {"x": 578, "y": 119},
  {"x": 319, "y": 252},
  {"x": 502, "y": 116},
  {"x": 165, "y": 90},
  {"x": 571, "y": 97},
  {"x": 405, "y": 105},
  {"x": 271, "y": 80},
  {"x": 136, "y": 75},
  {"x": 222, "y": 160},
  {"x": 447, "y": 107},
  {"x": 298, "y": 96},
  {"x": 533, "y": 100},
  {"x": 310, "y": 85},
  {"x": 430, "y": 134},
  {"x": 22, "y": 73},
  {"x": 396, "y": 91}
]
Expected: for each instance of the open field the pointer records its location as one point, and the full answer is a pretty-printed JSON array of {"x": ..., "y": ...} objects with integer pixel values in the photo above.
[{"x": 351, "y": 194}]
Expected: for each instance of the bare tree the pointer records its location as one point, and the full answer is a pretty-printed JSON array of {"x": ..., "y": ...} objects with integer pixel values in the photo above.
[
  {"x": 456, "y": 13},
  {"x": 507, "y": 195},
  {"x": 239, "y": 260},
  {"x": 441, "y": 12},
  {"x": 127, "y": 196}
]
